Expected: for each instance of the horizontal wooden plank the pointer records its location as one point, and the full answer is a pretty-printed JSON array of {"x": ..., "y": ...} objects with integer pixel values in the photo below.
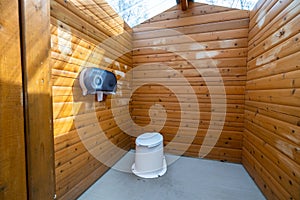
[
  {"x": 196, "y": 10},
  {"x": 68, "y": 16},
  {"x": 86, "y": 168},
  {"x": 283, "y": 162},
  {"x": 286, "y": 15},
  {"x": 94, "y": 139},
  {"x": 270, "y": 12},
  {"x": 102, "y": 152},
  {"x": 289, "y": 97},
  {"x": 108, "y": 20},
  {"x": 68, "y": 40},
  {"x": 197, "y": 55},
  {"x": 284, "y": 145},
  {"x": 67, "y": 124},
  {"x": 218, "y": 99},
  {"x": 231, "y": 108},
  {"x": 208, "y": 74},
  {"x": 279, "y": 51},
  {"x": 213, "y": 125},
  {"x": 256, "y": 8},
  {"x": 256, "y": 17},
  {"x": 190, "y": 132},
  {"x": 74, "y": 192},
  {"x": 198, "y": 64},
  {"x": 280, "y": 81},
  {"x": 202, "y": 32},
  {"x": 66, "y": 109},
  {"x": 195, "y": 81},
  {"x": 274, "y": 111},
  {"x": 269, "y": 183},
  {"x": 286, "y": 182},
  {"x": 191, "y": 46},
  {"x": 204, "y": 39},
  {"x": 287, "y": 114},
  {"x": 290, "y": 29},
  {"x": 93, "y": 58},
  {"x": 225, "y": 143},
  {"x": 283, "y": 129},
  {"x": 111, "y": 49},
  {"x": 207, "y": 18},
  {"x": 70, "y": 138},
  {"x": 213, "y": 90},
  {"x": 110, "y": 24},
  {"x": 190, "y": 115},
  {"x": 283, "y": 65},
  {"x": 216, "y": 152}
]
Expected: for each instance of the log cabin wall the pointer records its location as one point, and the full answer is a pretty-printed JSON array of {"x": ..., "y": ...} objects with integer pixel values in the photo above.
[
  {"x": 205, "y": 46},
  {"x": 271, "y": 151},
  {"x": 90, "y": 35}
]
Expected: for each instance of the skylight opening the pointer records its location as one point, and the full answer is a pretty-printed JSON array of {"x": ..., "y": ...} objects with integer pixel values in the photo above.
[
  {"x": 135, "y": 12},
  {"x": 239, "y": 4}
]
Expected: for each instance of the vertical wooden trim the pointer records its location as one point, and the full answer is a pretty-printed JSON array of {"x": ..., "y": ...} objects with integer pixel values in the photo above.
[
  {"x": 12, "y": 145},
  {"x": 184, "y": 5},
  {"x": 38, "y": 104}
]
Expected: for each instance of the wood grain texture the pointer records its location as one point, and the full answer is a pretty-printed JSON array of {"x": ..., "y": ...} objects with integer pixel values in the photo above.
[
  {"x": 272, "y": 121},
  {"x": 36, "y": 72},
  {"x": 86, "y": 35},
  {"x": 201, "y": 35},
  {"x": 12, "y": 142}
]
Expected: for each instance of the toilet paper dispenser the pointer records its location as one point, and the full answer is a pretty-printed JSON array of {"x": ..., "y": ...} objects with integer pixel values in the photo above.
[{"x": 97, "y": 81}]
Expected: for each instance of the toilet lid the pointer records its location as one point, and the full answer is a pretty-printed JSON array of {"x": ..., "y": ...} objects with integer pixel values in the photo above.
[{"x": 149, "y": 139}]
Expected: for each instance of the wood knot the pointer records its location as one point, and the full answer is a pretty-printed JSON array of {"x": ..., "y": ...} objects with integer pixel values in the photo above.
[
  {"x": 281, "y": 33},
  {"x": 3, "y": 188},
  {"x": 293, "y": 91}
]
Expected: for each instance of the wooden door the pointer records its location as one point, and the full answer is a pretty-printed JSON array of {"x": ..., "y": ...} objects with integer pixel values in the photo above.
[
  {"x": 12, "y": 143},
  {"x": 26, "y": 136}
]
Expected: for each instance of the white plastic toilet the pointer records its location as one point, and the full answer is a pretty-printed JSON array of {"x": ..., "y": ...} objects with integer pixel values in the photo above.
[{"x": 150, "y": 161}]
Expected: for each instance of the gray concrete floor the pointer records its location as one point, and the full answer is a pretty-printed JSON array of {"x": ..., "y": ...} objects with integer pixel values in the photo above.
[{"x": 186, "y": 179}]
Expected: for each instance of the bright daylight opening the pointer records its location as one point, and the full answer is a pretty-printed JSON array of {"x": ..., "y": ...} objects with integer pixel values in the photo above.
[
  {"x": 135, "y": 12},
  {"x": 240, "y": 4}
]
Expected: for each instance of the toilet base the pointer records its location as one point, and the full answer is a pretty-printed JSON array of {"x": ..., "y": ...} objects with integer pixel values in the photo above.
[{"x": 153, "y": 174}]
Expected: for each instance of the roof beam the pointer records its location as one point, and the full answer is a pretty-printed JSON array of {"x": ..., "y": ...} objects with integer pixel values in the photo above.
[{"x": 184, "y": 4}]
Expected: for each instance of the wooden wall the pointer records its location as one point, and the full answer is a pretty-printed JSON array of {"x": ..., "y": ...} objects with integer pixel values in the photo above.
[
  {"x": 78, "y": 33},
  {"x": 12, "y": 142},
  {"x": 271, "y": 145},
  {"x": 222, "y": 35}
]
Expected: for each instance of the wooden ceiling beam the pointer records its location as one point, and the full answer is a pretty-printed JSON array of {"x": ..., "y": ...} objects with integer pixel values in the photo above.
[{"x": 184, "y": 4}]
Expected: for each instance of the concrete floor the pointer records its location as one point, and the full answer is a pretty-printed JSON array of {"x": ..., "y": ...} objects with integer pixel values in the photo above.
[{"x": 187, "y": 178}]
